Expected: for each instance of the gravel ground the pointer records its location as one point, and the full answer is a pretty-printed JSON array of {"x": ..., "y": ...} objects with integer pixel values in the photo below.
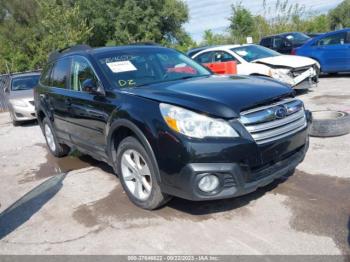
[{"x": 87, "y": 212}]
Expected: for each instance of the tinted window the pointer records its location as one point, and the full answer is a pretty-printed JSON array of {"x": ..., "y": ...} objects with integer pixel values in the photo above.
[
  {"x": 60, "y": 73},
  {"x": 278, "y": 42},
  {"x": 335, "y": 39},
  {"x": 348, "y": 37},
  {"x": 45, "y": 78},
  {"x": 24, "y": 82},
  {"x": 80, "y": 72},
  {"x": 205, "y": 58},
  {"x": 143, "y": 66},
  {"x": 266, "y": 42},
  {"x": 221, "y": 56}
]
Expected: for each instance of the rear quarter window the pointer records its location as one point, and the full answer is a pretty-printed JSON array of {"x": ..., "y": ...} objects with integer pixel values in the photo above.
[
  {"x": 60, "y": 73},
  {"x": 45, "y": 78}
]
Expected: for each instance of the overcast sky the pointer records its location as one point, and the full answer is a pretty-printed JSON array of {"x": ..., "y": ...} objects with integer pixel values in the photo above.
[{"x": 213, "y": 14}]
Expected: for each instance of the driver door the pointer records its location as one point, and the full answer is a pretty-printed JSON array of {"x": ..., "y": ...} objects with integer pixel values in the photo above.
[{"x": 88, "y": 110}]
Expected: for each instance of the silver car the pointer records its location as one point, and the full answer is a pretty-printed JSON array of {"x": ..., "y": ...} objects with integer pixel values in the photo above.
[{"x": 20, "y": 96}]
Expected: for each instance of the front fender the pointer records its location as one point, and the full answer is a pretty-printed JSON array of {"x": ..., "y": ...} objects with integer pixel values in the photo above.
[{"x": 123, "y": 122}]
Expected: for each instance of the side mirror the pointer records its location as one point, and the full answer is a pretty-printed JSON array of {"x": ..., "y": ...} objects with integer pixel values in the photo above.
[{"x": 91, "y": 86}]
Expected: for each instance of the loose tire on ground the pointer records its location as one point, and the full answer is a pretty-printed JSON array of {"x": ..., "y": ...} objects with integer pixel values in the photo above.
[
  {"x": 155, "y": 198},
  {"x": 330, "y": 124},
  {"x": 57, "y": 149}
]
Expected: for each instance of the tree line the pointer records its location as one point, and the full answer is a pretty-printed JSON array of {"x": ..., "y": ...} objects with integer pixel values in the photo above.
[{"x": 31, "y": 29}]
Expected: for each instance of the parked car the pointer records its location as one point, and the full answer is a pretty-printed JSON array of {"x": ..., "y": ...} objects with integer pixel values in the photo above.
[
  {"x": 170, "y": 132},
  {"x": 286, "y": 42},
  {"x": 299, "y": 72},
  {"x": 331, "y": 50},
  {"x": 19, "y": 92}
]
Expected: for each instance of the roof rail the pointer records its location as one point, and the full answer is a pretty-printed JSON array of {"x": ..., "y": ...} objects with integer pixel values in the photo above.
[{"x": 55, "y": 54}]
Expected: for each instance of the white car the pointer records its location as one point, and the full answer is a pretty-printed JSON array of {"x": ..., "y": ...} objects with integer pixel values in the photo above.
[{"x": 299, "y": 72}]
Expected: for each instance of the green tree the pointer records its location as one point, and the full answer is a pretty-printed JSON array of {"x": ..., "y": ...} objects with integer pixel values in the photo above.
[
  {"x": 340, "y": 16},
  {"x": 210, "y": 38},
  {"x": 241, "y": 23},
  {"x": 151, "y": 20},
  {"x": 317, "y": 24},
  {"x": 100, "y": 15},
  {"x": 26, "y": 45}
]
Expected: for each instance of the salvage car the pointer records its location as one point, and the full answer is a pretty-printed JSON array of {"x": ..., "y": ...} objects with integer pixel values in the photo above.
[
  {"x": 167, "y": 125},
  {"x": 20, "y": 97},
  {"x": 299, "y": 72},
  {"x": 331, "y": 50}
]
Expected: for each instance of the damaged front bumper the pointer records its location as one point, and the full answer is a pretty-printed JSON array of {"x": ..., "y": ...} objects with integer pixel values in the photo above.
[{"x": 304, "y": 78}]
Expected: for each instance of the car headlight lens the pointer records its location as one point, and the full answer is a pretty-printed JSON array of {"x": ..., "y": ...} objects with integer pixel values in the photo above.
[
  {"x": 19, "y": 103},
  {"x": 281, "y": 74},
  {"x": 195, "y": 125}
]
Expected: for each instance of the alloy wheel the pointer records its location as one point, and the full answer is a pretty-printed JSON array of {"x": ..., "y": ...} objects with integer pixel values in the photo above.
[{"x": 136, "y": 174}]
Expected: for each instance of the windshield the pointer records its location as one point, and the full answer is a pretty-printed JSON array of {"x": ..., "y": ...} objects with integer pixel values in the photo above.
[
  {"x": 145, "y": 66},
  {"x": 24, "y": 83},
  {"x": 254, "y": 52},
  {"x": 297, "y": 38}
]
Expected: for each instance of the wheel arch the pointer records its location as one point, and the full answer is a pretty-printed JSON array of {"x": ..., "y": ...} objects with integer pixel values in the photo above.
[{"x": 122, "y": 128}]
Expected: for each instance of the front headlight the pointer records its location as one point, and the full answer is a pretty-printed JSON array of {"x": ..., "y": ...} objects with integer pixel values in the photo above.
[
  {"x": 281, "y": 74},
  {"x": 19, "y": 103},
  {"x": 195, "y": 125}
]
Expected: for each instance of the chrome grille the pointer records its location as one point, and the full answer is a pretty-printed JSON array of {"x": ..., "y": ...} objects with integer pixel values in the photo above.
[{"x": 270, "y": 123}]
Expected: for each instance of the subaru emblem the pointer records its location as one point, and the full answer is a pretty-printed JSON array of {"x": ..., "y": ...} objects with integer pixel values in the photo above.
[{"x": 281, "y": 112}]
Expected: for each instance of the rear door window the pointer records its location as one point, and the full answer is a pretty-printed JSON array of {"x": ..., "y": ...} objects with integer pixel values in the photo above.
[
  {"x": 45, "y": 78},
  {"x": 221, "y": 56},
  {"x": 60, "y": 73},
  {"x": 205, "y": 58},
  {"x": 335, "y": 39}
]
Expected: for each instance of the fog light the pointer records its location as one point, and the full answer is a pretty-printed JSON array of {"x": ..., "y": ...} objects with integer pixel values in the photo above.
[{"x": 208, "y": 183}]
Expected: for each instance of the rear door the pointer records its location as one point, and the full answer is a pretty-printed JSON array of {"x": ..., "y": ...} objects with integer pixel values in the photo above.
[
  {"x": 334, "y": 52},
  {"x": 57, "y": 96}
]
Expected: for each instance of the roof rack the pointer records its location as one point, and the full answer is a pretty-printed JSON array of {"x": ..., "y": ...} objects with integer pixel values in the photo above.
[{"x": 55, "y": 54}]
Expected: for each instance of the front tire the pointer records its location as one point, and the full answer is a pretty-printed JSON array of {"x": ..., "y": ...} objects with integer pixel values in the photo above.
[
  {"x": 57, "y": 149},
  {"x": 137, "y": 175}
]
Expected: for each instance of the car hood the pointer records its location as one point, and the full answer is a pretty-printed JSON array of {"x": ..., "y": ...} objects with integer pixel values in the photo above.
[
  {"x": 221, "y": 96},
  {"x": 290, "y": 61}
]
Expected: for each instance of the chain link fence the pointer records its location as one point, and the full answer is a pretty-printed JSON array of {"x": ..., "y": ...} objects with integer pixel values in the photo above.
[{"x": 4, "y": 82}]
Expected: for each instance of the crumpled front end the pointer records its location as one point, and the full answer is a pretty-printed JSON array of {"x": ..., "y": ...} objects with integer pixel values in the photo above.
[{"x": 299, "y": 78}]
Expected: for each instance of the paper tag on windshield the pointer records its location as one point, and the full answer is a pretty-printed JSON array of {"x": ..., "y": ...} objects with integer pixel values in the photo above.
[{"x": 121, "y": 66}]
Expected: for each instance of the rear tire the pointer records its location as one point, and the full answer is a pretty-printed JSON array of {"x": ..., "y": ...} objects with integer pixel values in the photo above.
[
  {"x": 57, "y": 149},
  {"x": 137, "y": 174}
]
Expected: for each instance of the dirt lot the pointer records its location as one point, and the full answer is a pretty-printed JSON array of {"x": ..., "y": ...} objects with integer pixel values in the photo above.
[{"x": 87, "y": 212}]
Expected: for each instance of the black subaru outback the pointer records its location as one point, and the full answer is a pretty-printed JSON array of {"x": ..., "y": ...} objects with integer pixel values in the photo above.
[{"x": 168, "y": 126}]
